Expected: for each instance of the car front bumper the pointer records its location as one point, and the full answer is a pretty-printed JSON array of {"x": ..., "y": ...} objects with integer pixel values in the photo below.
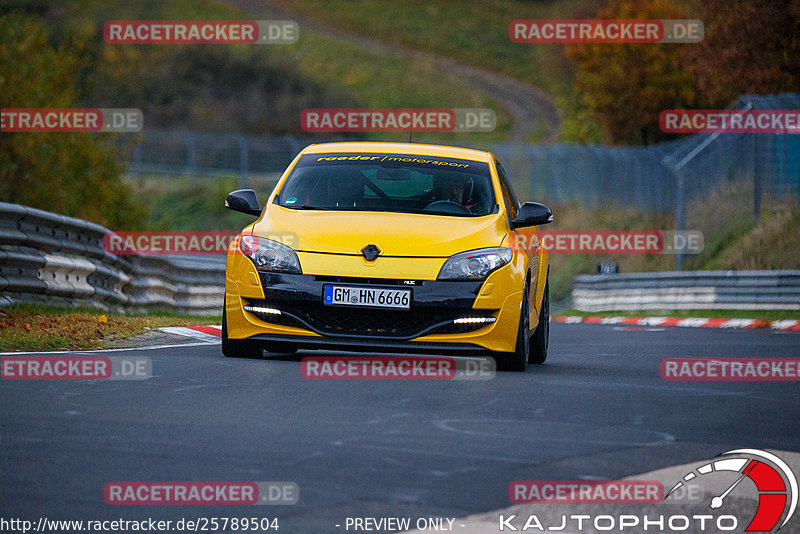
[{"x": 444, "y": 316}]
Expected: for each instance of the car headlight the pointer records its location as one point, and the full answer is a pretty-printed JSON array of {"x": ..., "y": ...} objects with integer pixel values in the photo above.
[
  {"x": 474, "y": 264},
  {"x": 270, "y": 256}
]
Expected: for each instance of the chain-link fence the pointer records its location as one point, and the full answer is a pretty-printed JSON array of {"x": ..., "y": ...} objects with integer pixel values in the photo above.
[
  {"x": 593, "y": 176},
  {"x": 709, "y": 181},
  {"x": 181, "y": 152}
]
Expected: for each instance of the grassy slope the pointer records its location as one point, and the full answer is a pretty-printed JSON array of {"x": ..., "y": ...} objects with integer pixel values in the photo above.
[
  {"x": 472, "y": 32},
  {"x": 176, "y": 203},
  {"x": 739, "y": 244},
  {"x": 28, "y": 327},
  {"x": 366, "y": 78},
  {"x": 773, "y": 243}
]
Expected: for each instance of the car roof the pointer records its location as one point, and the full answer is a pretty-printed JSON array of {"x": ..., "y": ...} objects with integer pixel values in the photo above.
[{"x": 416, "y": 149}]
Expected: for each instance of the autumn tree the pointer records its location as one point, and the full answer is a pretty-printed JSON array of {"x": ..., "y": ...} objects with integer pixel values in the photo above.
[
  {"x": 627, "y": 85},
  {"x": 74, "y": 174},
  {"x": 750, "y": 47}
]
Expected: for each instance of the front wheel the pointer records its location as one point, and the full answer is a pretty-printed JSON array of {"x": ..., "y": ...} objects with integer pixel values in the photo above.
[
  {"x": 541, "y": 338},
  {"x": 518, "y": 360},
  {"x": 238, "y": 348}
]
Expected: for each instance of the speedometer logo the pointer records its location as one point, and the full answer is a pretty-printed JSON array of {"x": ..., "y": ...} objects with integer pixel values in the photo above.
[{"x": 774, "y": 480}]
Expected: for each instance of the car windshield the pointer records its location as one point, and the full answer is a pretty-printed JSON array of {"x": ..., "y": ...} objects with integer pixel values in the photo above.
[{"x": 389, "y": 182}]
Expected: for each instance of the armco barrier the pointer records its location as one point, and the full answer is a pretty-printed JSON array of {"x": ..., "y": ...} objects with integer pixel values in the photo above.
[
  {"x": 721, "y": 290},
  {"x": 46, "y": 257}
]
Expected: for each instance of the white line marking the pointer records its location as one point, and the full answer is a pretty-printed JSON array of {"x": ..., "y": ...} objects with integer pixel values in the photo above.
[{"x": 188, "y": 332}]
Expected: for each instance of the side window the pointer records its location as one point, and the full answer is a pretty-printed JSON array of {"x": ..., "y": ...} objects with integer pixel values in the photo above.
[{"x": 512, "y": 204}]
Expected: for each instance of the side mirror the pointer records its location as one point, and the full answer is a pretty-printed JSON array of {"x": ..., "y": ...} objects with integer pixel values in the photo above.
[
  {"x": 244, "y": 200},
  {"x": 532, "y": 214}
]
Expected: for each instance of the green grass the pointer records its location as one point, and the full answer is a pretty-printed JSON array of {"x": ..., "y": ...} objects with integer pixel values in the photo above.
[
  {"x": 563, "y": 267},
  {"x": 732, "y": 242},
  {"x": 771, "y": 243},
  {"x": 472, "y": 32},
  {"x": 379, "y": 80},
  {"x": 317, "y": 71},
  {"x": 36, "y": 327},
  {"x": 179, "y": 203}
]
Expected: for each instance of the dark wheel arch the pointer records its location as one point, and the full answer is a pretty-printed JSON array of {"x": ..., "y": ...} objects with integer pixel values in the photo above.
[
  {"x": 238, "y": 348},
  {"x": 540, "y": 340}
]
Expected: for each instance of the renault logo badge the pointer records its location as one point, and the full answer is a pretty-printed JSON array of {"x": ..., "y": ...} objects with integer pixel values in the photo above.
[{"x": 371, "y": 252}]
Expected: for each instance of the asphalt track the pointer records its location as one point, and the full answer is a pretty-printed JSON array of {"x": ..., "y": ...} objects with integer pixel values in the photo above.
[{"x": 597, "y": 409}]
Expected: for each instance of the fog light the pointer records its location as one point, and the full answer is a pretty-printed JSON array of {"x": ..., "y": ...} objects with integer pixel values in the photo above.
[
  {"x": 474, "y": 320},
  {"x": 261, "y": 309}
]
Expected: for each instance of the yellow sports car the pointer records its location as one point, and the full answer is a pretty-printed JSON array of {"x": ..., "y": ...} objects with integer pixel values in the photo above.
[{"x": 392, "y": 247}]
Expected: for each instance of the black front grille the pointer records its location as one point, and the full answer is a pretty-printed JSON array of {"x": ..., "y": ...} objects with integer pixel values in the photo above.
[
  {"x": 394, "y": 323},
  {"x": 342, "y": 320},
  {"x": 367, "y": 281}
]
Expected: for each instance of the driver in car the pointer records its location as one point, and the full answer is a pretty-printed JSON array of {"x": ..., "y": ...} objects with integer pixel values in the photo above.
[{"x": 449, "y": 188}]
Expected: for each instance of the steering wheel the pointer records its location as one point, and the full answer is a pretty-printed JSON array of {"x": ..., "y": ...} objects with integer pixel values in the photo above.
[{"x": 448, "y": 205}]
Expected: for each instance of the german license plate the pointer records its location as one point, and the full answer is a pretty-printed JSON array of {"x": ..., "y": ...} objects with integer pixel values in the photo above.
[{"x": 372, "y": 297}]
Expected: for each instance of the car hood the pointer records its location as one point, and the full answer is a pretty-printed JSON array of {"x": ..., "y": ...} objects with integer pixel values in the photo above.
[{"x": 395, "y": 234}]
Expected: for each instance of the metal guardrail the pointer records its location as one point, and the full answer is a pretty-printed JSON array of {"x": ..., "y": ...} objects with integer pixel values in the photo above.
[
  {"x": 724, "y": 290},
  {"x": 46, "y": 257}
]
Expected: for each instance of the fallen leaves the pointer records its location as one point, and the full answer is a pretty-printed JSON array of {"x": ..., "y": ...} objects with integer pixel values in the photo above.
[{"x": 27, "y": 327}]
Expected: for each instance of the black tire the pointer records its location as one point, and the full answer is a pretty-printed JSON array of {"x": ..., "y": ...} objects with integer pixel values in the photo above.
[
  {"x": 518, "y": 360},
  {"x": 238, "y": 348},
  {"x": 541, "y": 337}
]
